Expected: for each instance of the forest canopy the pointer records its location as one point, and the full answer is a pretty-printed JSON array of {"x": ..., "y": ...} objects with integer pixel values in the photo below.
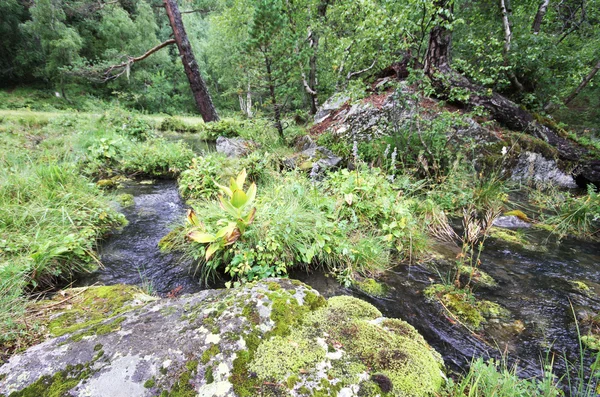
[{"x": 291, "y": 55}]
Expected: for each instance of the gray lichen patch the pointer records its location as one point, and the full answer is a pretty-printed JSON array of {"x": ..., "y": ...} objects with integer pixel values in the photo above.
[{"x": 276, "y": 338}]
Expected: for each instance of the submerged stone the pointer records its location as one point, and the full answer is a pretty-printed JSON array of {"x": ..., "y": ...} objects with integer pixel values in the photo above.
[{"x": 271, "y": 338}]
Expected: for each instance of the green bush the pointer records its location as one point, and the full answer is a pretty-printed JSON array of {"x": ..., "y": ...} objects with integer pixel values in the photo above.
[
  {"x": 128, "y": 124},
  {"x": 199, "y": 181},
  {"x": 576, "y": 216},
  {"x": 228, "y": 128},
  {"x": 294, "y": 226},
  {"x": 177, "y": 125},
  {"x": 366, "y": 197},
  {"x": 156, "y": 157}
]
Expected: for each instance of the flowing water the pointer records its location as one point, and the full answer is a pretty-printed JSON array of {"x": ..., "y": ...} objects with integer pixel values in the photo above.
[
  {"x": 534, "y": 285},
  {"x": 131, "y": 255}
]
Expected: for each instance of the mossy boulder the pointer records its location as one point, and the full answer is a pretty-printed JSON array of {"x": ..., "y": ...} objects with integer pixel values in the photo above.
[{"x": 271, "y": 338}]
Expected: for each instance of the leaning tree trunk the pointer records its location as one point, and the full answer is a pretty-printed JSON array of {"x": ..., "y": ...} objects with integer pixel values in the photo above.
[
  {"x": 197, "y": 84},
  {"x": 443, "y": 78}
]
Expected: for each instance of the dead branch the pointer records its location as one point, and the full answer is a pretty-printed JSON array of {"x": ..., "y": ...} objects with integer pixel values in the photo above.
[
  {"x": 116, "y": 71},
  {"x": 353, "y": 74}
]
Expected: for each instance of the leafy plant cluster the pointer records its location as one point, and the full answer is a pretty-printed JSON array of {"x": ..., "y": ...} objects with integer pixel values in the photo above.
[{"x": 50, "y": 220}]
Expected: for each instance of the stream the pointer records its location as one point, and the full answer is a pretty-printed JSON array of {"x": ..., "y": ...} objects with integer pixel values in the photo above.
[{"x": 534, "y": 285}]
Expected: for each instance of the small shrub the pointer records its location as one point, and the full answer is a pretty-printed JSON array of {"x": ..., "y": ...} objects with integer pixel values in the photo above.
[
  {"x": 156, "y": 157},
  {"x": 199, "y": 181},
  {"x": 177, "y": 125},
  {"x": 228, "y": 128}
]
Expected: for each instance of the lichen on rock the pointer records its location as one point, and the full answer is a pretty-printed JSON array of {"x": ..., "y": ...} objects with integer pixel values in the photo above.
[{"x": 270, "y": 338}]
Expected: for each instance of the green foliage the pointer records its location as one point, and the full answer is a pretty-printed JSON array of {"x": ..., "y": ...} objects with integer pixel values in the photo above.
[
  {"x": 156, "y": 157},
  {"x": 576, "y": 216},
  {"x": 496, "y": 378},
  {"x": 238, "y": 217},
  {"x": 49, "y": 222},
  {"x": 199, "y": 180},
  {"x": 294, "y": 226},
  {"x": 367, "y": 197}
]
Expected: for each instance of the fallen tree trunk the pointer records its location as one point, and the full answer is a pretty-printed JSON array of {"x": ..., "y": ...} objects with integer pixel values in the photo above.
[{"x": 444, "y": 80}]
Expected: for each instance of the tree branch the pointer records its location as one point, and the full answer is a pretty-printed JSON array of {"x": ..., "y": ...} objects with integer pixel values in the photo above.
[
  {"x": 353, "y": 74},
  {"x": 583, "y": 83},
  {"x": 116, "y": 71}
]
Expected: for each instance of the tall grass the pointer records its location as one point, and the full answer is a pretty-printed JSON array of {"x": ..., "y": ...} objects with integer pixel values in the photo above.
[{"x": 497, "y": 379}]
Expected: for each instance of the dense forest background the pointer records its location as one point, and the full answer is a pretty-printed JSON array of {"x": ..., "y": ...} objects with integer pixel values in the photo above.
[{"x": 291, "y": 55}]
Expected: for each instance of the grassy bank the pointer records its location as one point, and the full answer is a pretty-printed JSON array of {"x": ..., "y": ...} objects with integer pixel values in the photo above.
[{"x": 53, "y": 212}]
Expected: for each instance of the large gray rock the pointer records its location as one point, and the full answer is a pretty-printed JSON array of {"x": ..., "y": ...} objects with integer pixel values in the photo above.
[
  {"x": 234, "y": 147},
  {"x": 384, "y": 113},
  {"x": 275, "y": 338},
  {"x": 533, "y": 168},
  {"x": 331, "y": 105}
]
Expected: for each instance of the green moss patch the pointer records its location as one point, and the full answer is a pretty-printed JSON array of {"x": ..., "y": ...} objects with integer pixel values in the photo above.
[
  {"x": 126, "y": 200},
  {"x": 476, "y": 276},
  {"x": 515, "y": 237},
  {"x": 372, "y": 287},
  {"x": 347, "y": 338},
  {"x": 79, "y": 308},
  {"x": 462, "y": 304}
]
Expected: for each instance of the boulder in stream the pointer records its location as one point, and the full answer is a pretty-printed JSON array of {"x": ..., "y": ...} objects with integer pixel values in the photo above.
[{"x": 275, "y": 337}]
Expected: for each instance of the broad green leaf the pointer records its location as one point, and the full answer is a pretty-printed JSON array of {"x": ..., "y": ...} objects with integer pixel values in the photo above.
[
  {"x": 225, "y": 189},
  {"x": 239, "y": 198},
  {"x": 201, "y": 237},
  {"x": 226, "y": 230},
  {"x": 229, "y": 208},
  {"x": 233, "y": 185}
]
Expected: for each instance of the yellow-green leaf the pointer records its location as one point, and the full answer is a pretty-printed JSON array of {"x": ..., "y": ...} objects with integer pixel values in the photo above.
[
  {"x": 251, "y": 193},
  {"x": 241, "y": 179},
  {"x": 229, "y": 208},
  {"x": 214, "y": 247},
  {"x": 239, "y": 198},
  {"x": 192, "y": 218},
  {"x": 201, "y": 237},
  {"x": 225, "y": 189}
]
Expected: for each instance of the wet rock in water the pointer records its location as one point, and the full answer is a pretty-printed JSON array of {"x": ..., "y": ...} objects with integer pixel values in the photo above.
[
  {"x": 511, "y": 222},
  {"x": 533, "y": 168},
  {"x": 312, "y": 157},
  {"x": 276, "y": 338},
  {"x": 234, "y": 147}
]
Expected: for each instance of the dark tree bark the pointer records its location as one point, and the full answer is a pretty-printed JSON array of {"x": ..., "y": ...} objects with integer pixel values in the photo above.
[
  {"x": 197, "y": 84},
  {"x": 276, "y": 108},
  {"x": 539, "y": 16},
  {"x": 437, "y": 57},
  {"x": 310, "y": 85}
]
